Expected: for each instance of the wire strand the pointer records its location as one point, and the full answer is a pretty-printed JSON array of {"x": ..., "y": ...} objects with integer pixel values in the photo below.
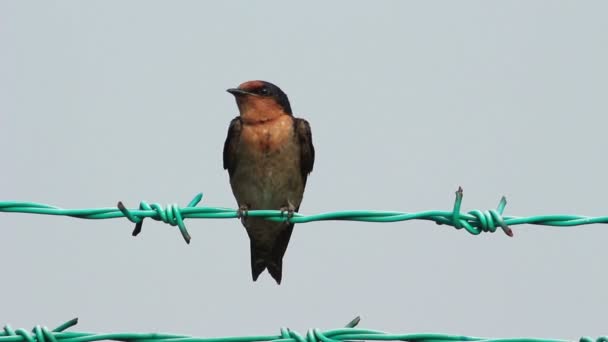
[
  {"x": 348, "y": 334},
  {"x": 475, "y": 221}
]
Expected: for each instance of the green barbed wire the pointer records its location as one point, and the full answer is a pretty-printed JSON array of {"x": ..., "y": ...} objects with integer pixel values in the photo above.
[
  {"x": 474, "y": 221},
  {"x": 348, "y": 334}
]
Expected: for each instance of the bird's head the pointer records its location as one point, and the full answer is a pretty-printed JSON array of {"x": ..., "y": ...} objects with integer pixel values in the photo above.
[{"x": 260, "y": 101}]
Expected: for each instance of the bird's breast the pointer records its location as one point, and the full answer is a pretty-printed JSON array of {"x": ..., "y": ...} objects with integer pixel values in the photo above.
[
  {"x": 268, "y": 136},
  {"x": 268, "y": 175}
]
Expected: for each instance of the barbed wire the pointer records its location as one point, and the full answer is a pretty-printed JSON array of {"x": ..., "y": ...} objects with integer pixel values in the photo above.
[
  {"x": 347, "y": 334},
  {"x": 474, "y": 221}
]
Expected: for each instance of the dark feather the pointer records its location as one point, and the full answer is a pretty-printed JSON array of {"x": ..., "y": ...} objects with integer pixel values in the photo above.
[
  {"x": 307, "y": 150},
  {"x": 275, "y": 264},
  {"x": 231, "y": 145},
  {"x": 307, "y": 159}
]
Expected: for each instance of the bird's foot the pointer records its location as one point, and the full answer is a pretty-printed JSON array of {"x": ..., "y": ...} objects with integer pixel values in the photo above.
[
  {"x": 289, "y": 209},
  {"x": 242, "y": 212}
]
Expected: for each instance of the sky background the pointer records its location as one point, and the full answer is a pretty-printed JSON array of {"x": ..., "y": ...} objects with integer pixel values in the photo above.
[{"x": 103, "y": 101}]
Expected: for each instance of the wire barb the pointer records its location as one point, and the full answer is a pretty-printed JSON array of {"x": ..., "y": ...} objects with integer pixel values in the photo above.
[
  {"x": 171, "y": 215},
  {"x": 348, "y": 334},
  {"x": 354, "y": 322},
  {"x": 485, "y": 221}
]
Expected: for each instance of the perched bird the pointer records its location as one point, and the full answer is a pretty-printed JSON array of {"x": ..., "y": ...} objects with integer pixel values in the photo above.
[{"x": 268, "y": 154}]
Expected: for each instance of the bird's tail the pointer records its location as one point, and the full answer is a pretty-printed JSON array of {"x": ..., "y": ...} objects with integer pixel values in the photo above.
[
  {"x": 258, "y": 263},
  {"x": 261, "y": 260},
  {"x": 271, "y": 258}
]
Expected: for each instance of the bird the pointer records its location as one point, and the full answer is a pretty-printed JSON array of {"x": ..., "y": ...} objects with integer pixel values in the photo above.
[{"x": 268, "y": 154}]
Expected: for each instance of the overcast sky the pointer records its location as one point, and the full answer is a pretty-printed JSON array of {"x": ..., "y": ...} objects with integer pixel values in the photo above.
[{"x": 103, "y": 101}]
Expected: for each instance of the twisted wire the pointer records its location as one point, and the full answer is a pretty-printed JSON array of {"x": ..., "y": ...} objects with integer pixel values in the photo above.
[
  {"x": 348, "y": 334},
  {"x": 474, "y": 222}
]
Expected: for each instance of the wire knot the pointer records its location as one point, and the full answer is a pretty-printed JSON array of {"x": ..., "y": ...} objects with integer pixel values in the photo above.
[
  {"x": 313, "y": 335},
  {"x": 288, "y": 334},
  {"x": 172, "y": 215},
  {"x": 480, "y": 221},
  {"x": 39, "y": 333}
]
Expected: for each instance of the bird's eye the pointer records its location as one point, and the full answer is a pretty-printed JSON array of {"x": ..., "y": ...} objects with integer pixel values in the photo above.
[{"x": 263, "y": 91}]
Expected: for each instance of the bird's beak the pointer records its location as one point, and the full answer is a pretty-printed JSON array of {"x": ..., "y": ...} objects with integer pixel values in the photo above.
[{"x": 237, "y": 92}]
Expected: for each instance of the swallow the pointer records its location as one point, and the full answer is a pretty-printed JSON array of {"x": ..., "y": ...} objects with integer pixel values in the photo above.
[{"x": 268, "y": 154}]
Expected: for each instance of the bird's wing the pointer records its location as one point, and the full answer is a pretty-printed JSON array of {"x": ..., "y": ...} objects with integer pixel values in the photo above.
[
  {"x": 307, "y": 150},
  {"x": 307, "y": 160},
  {"x": 231, "y": 145}
]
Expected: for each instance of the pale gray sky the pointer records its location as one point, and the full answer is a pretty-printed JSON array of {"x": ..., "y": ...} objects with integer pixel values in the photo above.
[{"x": 103, "y": 101}]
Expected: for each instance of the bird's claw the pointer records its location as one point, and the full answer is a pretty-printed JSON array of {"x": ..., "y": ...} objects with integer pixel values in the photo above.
[
  {"x": 290, "y": 210},
  {"x": 242, "y": 212}
]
